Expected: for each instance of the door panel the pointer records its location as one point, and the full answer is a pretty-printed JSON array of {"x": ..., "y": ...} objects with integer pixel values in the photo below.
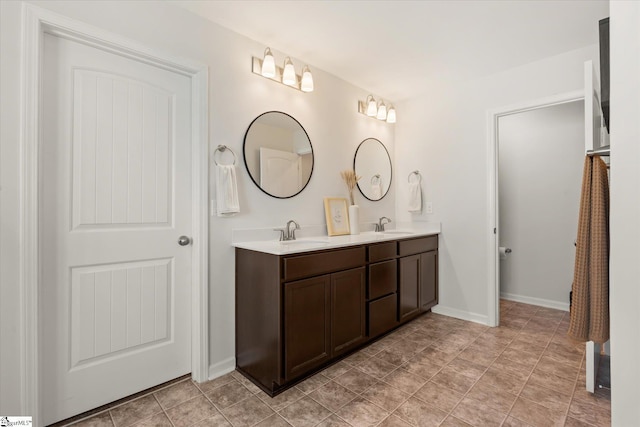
[
  {"x": 428, "y": 280},
  {"x": 280, "y": 172},
  {"x": 408, "y": 287},
  {"x": 307, "y": 311},
  {"x": 348, "y": 317},
  {"x": 116, "y": 194}
]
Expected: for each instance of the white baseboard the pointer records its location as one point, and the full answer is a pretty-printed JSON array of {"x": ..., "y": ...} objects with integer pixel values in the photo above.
[
  {"x": 564, "y": 306},
  {"x": 460, "y": 314},
  {"x": 223, "y": 367}
]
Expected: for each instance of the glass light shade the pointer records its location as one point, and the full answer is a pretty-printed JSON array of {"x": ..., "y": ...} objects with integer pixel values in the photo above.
[
  {"x": 372, "y": 108},
  {"x": 382, "y": 111},
  {"x": 268, "y": 64},
  {"x": 306, "y": 85},
  {"x": 289, "y": 73},
  {"x": 391, "y": 115}
]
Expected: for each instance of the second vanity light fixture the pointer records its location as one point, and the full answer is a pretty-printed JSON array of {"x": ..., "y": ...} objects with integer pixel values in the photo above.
[
  {"x": 286, "y": 75},
  {"x": 377, "y": 110}
]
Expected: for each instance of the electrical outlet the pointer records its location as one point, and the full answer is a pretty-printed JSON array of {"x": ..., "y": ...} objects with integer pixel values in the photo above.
[{"x": 429, "y": 207}]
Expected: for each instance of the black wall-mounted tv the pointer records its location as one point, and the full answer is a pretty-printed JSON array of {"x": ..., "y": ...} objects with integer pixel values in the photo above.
[{"x": 604, "y": 69}]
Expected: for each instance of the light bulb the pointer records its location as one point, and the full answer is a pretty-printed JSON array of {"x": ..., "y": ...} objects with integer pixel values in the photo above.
[
  {"x": 391, "y": 115},
  {"x": 372, "y": 108},
  {"x": 382, "y": 111},
  {"x": 289, "y": 73},
  {"x": 268, "y": 64},
  {"x": 306, "y": 85}
]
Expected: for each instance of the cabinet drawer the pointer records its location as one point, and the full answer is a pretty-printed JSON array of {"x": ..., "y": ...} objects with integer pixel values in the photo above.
[
  {"x": 324, "y": 262},
  {"x": 383, "y": 315},
  {"x": 382, "y": 251},
  {"x": 415, "y": 246},
  {"x": 383, "y": 279}
]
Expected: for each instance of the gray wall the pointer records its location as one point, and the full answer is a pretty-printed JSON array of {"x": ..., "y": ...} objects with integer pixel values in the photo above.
[{"x": 541, "y": 155}]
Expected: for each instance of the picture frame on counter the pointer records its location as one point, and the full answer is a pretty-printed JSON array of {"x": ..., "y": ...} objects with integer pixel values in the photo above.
[{"x": 336, "y": 213}]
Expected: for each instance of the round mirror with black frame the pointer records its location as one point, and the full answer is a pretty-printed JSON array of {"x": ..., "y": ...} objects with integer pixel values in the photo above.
[
  {"x": 278, "y": 154},
  {"x": 373, "y": 164}
]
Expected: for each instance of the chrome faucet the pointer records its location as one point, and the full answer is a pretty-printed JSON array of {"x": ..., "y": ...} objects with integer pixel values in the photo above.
[
  {"x": 287, "y": 233},
  {"x": 380, "y": 225}
]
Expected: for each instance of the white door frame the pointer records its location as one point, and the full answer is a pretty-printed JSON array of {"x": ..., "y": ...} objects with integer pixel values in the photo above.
[
  {"x": 37, "y": 22},
  {"x": 493, "y": 233}
]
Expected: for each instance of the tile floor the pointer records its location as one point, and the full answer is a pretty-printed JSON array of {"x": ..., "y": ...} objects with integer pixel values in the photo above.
[{"x": 434, "y": 371}]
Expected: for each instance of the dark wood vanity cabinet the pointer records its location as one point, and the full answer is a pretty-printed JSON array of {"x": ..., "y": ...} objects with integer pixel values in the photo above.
[{"x": 297, "y": 313}]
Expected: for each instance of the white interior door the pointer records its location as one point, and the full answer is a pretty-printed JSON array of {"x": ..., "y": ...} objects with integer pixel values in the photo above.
[
  {"x": 115, "y": 286},
  {"x": 280, "y": 172}
]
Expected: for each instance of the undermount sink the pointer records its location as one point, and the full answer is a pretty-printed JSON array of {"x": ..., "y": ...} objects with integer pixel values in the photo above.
[{"x": 303, "y": 242}]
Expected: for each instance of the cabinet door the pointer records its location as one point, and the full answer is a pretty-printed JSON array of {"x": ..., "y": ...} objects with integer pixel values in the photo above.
[
  {"x": 307, "y": 314},
  {"x": 408, "y": 287},
  {"x": 383, "y": 279},
  {"x": 348, "y": 319},
  {"x": 428, "y": 280}
]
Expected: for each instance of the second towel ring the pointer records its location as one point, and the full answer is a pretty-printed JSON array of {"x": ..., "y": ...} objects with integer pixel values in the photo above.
[
  {"x": 222, "y": 149},
  {"x": 416, "y": 173}
]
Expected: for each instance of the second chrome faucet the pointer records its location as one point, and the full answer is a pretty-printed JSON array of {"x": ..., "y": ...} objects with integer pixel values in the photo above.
[
  {"x": 287, "y": 233},
  {"x": 380, "y": 225}
]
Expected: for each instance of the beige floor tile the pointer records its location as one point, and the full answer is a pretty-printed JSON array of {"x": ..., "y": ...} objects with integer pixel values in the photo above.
[
  {"x": 394, "y": 421},
  {"x": 333, "y": 421},
  {"x": 452, "y": 421},
  {"x": 514, "y": 422},
  {"x": 246, "y": 382},
  {"x": 394, "y": 356},
  {"x": 177, "y": 393},
  {"x": 385, "y": 396},
  {"x": 588, "y": 413},
  {"x": 376, "y": 367},
  {"x": 517, "y": 369},
  {"x": 134, "y": 411},
  {"x": 494, "y": 397},
  {"x": 99, "y": 420},
  {"x": 274, "y": 420},
  {"x": 228, "y": 394},
  {"x": 419, "y": 413},
  {"x": 283, "y": 399},
  {"x": 333, "y": 396},
  {"x": 362, "y": 413},
  {"x": 478, "y": 413},
  {"x": 454, "y": 380},
  {"x": 560, "y": 369},
  {"x": 550, "y": 381},
  {"x": 439, "y": 396},
  {"x": 536, "y": 414},
  {"x": 523, "y": 357},
  {"x": 248, "y": 412},
  {"x": 467, "y": 368},
  {"x": 500, "y": 379},
  {"x": 191, "y": 412},
  {"x": 157, "y": 420},
  {"x": 356, "y": 381},
  {"x": 336, "y": 370},
  {"x": 218, "y": 420},
  {"x": 479, "y": 356},
  {"x": 572, "y": 422},
  {"x": 552, "y": 399},
  {"x": 314, "y": 382},
  {"x": 404, "y": 381},
  {"x": 424, "y": 371},
  {"x": 357, "y": 358},
  {"x": 217, "y": 382},
  {"x": 601, "y": 397},
  {"x": 306, "y": 412}
]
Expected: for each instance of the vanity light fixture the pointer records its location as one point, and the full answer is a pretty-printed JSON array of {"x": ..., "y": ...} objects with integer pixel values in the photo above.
[
  {"x": 289, "y": 73},
  {"x": 391, "y": 114},
  {"x": 375, "y": 110},
  {"x": 382, "y": 111},
  {"x": 372, "y": 107},
  {"x": 286, "y": 75},
  {"x": 306, "y": 84},
  {"x": 268, "y": 68}
]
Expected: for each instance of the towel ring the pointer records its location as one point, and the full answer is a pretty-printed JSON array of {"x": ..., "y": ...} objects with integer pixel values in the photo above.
[
  {"x": 222, "y": 149},
  {"x": 416, "y": 173},
  {"x": 374, "y": 177}
]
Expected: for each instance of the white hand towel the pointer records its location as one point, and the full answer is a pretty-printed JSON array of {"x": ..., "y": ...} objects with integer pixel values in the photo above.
[
  {"x": 226, "y": 190},
  {"x": 415, "y": 197},
  {"x": 376, "y": 189}
]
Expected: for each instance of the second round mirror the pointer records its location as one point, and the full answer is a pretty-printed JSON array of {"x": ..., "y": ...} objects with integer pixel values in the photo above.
[{"x": 373, "y": 164}]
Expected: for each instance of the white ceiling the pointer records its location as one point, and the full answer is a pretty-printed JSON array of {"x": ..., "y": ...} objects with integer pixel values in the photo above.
[{"x": 397, "y": 49}]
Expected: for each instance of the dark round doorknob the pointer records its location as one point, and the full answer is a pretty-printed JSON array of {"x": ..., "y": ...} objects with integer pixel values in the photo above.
[{"x": 183, "y": 240}]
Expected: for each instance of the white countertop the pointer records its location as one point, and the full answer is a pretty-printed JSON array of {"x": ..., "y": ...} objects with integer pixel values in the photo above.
[{"x": 307, "y": 244}]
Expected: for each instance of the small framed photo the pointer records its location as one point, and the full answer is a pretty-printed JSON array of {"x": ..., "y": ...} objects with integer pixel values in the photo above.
[{"x": 337, "y": 216}]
